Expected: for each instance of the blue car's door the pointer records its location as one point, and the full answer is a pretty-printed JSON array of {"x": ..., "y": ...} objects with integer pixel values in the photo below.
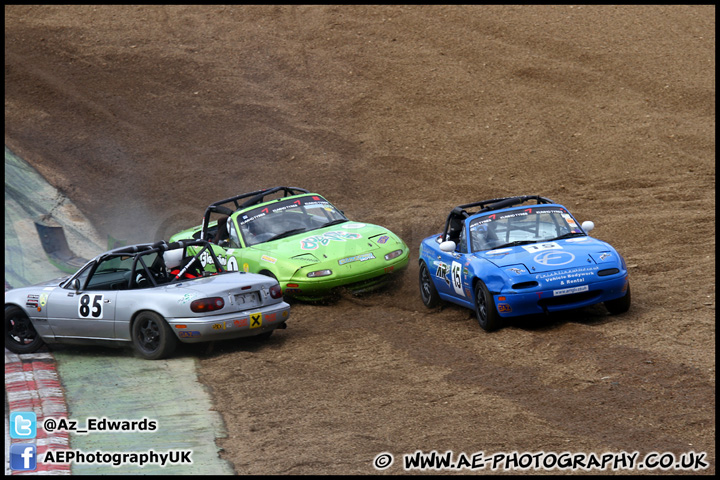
[{"x": 450, "y": 272}]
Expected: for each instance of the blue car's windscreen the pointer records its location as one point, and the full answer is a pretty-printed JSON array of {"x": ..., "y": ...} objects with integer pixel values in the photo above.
[
  {"x": 516, "y": 227},
  {"x": 287, "y": 217}
]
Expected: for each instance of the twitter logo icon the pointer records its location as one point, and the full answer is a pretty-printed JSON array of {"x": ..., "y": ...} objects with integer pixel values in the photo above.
[{"x": 23, "y": 425}]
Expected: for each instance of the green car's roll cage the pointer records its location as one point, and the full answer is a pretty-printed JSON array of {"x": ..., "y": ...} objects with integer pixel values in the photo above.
[{"x": 221, "y": 207}]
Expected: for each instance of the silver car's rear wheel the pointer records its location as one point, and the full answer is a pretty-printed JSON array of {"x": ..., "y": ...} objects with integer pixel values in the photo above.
[
  {"x": 152, "y": 336},
  {"x": 262, "y": 336},
  {"x": 20, "y": 335}
]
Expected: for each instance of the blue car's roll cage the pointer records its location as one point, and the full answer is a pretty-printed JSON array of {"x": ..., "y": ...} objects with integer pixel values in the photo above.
[{"x": 457, "y": 215}]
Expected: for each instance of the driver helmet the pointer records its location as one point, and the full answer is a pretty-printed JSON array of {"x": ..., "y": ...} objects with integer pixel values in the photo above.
[
  {"x": 173, "y": 258},
  {"x": 253, "y": 227}
]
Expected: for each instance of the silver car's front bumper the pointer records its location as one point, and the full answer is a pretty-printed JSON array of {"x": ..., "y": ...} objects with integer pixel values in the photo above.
[{"x": 245, "y": 323}]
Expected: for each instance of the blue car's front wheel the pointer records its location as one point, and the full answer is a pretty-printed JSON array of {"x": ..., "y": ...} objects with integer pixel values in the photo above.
[
  {"x": 485, "y": 311},
  {"x": 428, "y": 292},
  {"x": 620, "y": 305}
]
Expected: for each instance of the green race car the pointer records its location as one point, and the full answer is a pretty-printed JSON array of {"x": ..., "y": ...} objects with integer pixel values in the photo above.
[{"x": 300, "y": 239}]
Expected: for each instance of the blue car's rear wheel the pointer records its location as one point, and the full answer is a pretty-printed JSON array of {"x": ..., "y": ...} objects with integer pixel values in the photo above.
[
  {"x": 485, "y": 311},
  {"x": 428, "y": 292},
  {"x": 152, "y": 336},
  {"x": 20, "y": 335}
]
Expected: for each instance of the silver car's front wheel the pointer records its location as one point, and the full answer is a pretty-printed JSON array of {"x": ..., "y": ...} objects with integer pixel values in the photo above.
[{"x": 152, "y": 336}]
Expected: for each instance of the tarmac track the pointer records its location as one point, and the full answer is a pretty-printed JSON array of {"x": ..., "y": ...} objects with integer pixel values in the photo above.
[{"x": 61, "y": 381}]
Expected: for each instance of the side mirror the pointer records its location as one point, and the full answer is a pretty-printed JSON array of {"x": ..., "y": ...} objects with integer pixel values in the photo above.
[
  {"x": 587, "y": 225},
  {"x": 76, "y": 285},
  {"x": 448, "y": 246}
]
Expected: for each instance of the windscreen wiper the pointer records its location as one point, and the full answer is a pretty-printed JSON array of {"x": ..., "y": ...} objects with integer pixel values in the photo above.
[
  {"x": 514, "y": 244},
  {"x": 335, "y": 222},
  {"x": 287, "y": 234},
  {"x": 567, "y": 235}
]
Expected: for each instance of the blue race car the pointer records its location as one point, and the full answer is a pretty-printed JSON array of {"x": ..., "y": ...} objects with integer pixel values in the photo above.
[{"x": 518, "y": 256}]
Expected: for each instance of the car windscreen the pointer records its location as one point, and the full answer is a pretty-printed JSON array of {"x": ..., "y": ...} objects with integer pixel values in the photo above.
[
  {"x": 521, "y": 226},
  {"x": 285, "y": 218},
  {"x": 111, "y": 271}
]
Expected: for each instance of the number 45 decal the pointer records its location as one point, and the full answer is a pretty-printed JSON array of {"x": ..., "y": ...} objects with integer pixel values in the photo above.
[
  {"x": 90, "y": 306},
  {"x": 457, "y": 279}
]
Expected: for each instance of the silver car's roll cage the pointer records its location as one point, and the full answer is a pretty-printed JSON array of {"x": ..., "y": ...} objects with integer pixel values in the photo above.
[{"x": 143, "y": 250}]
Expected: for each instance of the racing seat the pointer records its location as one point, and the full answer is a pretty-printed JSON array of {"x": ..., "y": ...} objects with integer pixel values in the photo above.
[
  {"x": 196, "y": 269},
  {"x": 454, "y": 229}
]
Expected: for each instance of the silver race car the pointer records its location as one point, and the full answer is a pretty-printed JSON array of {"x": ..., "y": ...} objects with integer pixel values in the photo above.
[{"x": 152, "y": 295}]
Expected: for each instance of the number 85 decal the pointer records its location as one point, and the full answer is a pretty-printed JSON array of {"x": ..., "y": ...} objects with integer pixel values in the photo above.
[{"x": 90, "y": 308}]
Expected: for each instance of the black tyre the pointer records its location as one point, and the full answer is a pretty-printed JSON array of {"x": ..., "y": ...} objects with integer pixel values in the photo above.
[
  {"x": 485, "y": 311},
  {"x": 152, "y": 336},
  {"x": 20, "y": 335},
  {"x": 268, "y": 273},
  {"x": 261, "y": 337},
  {"x": 619, "y": 305},
  {"x": 428, "y": 292}
]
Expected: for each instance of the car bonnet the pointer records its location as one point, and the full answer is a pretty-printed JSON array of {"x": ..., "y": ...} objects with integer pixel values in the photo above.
[
  {"x": 554, "y": 255},
  {"x": 331, "y": 243}
]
